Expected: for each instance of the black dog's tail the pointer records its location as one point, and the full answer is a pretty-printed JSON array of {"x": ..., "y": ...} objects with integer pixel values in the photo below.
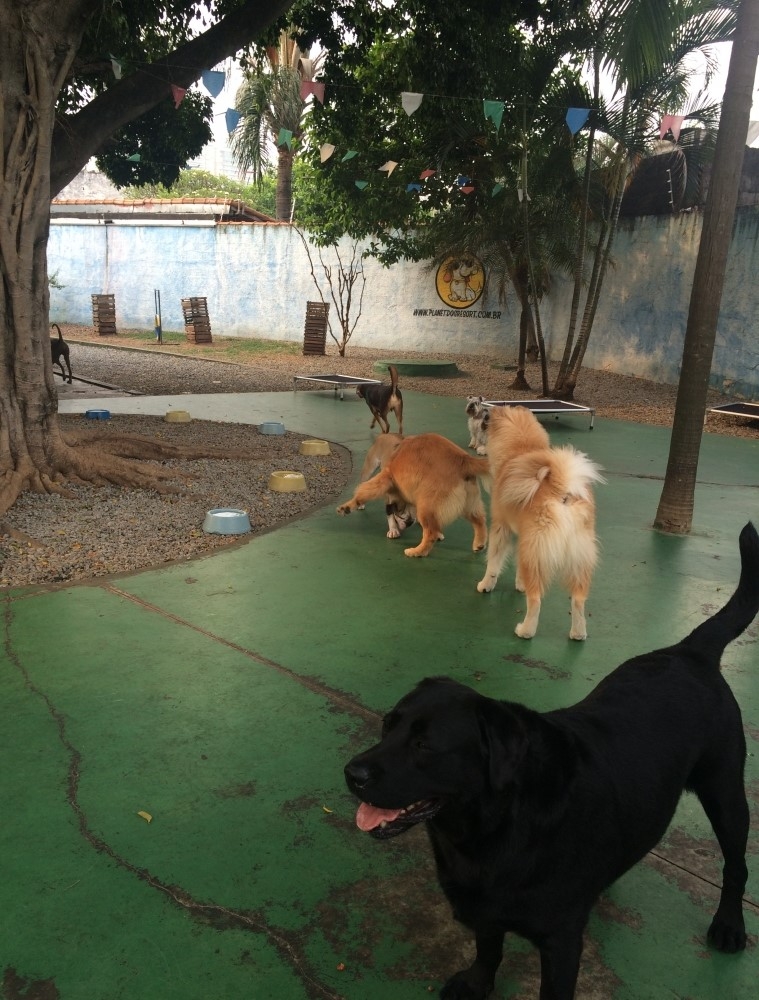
[
  {"x": 393, "y": 377},
  {"x": 60, "y": 335},
  {"x": 711, "y": 637}
]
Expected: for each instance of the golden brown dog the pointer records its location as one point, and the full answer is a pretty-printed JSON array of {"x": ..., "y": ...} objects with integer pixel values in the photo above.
[
  {"x": 399, "y": 515},
  {"x": 384, "y": 399},
  {"x": 436, "y": 477},
  {"x": 544, "y": 496}
]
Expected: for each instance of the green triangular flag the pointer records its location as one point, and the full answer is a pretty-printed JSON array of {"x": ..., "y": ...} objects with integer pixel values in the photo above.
[{"x": 494, "y": 111}]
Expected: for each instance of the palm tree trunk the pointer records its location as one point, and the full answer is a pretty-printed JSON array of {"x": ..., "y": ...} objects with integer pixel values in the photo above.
[
  {"x": 675, "y": 511},
  {"x": 284, "y": 195},
  {"x": 582, "y": 236}
]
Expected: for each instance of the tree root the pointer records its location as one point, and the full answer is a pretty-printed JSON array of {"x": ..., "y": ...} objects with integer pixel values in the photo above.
[{"x": 124, "y": 460}]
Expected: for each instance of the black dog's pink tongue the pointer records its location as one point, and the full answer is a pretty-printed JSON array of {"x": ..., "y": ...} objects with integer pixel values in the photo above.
[{"x": 370, "y": 817}]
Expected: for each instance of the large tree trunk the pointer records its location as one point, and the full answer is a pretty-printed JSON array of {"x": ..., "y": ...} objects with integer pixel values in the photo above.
[
  {"x": 38, "y": 45},
  {"x": 38, "y": 42},
  {"x": 675, "y": 511}
]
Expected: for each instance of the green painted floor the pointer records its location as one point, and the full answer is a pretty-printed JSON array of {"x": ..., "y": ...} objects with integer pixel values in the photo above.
[{"x": 223, "y": 697}]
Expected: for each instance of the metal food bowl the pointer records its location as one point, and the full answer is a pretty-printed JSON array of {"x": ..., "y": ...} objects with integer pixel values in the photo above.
[
  {"x": 226, "y": 521},
  {"x": 314, "y": 447},
  {"x": 98, "y": 414},
  {"x": 287, "y": 482},
  {"x": 271, "y": 427}
]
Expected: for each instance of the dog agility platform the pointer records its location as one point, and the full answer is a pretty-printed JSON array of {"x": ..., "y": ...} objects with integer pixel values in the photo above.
[
  {"x": 338, "y": 382},
  {"x": 750, "y": 410},
  {"x": 557, "y": 407},
  {"x": 436, "y": 369}
]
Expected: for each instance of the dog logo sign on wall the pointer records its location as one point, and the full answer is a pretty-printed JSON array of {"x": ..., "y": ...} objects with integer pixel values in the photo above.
[{"x": 460, "y": 281}]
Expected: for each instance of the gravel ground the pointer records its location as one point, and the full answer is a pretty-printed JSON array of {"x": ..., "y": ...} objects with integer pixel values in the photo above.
[{"x": 107, "y": 530}]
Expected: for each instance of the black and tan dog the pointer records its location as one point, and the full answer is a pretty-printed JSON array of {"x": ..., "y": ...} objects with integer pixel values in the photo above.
[
  {"x": 531, "y": 815},
  {"x": 384, "y": 399},
  {"x": 60, "y": 353}
]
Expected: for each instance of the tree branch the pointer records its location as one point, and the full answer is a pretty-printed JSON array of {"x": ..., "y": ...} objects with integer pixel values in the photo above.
[{"x": 79, "y": 137}]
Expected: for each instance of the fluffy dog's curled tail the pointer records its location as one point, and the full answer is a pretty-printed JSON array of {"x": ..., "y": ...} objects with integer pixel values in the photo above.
[
  {"x": 711, "y": 637},
  {"x": 568, "y": 473}
]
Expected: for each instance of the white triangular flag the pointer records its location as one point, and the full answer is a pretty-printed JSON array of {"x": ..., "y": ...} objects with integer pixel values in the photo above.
[
  {"x": 326, "y": 151},
  {"x": 410, "y": 101}
]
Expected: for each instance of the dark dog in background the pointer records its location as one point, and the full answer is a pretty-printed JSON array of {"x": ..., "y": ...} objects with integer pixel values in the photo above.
[
  {"x": 478, "y": 418},
  {"x": 532, "y": 815},
  {"x": 60, "y": 353},
  {"x": 382, "y": 400}
]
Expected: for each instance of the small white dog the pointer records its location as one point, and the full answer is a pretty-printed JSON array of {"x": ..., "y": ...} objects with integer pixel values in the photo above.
[{"x": 478, "y": 418}]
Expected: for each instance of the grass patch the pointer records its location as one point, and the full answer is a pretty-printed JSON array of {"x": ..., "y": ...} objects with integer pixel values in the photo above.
[{"x": 240, "y": 349}]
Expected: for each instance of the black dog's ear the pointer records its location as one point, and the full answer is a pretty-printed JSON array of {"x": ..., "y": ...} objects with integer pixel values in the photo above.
[{"x": 504, "y": 742}]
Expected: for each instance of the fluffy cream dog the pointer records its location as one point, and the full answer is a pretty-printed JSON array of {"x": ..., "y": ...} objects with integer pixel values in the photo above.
[
  {"x": 544, "y": 496},
  {"x": 438, "y": 479}
]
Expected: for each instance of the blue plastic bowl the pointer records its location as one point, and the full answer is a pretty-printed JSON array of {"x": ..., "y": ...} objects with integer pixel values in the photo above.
[
  {"x": 98, "y": 414},
  {"x": 226, "y": 521},
  {"x": 271, "y": 427}
]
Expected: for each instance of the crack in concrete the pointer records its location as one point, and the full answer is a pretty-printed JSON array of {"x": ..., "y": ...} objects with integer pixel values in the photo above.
[{"x": 221, "y": 917}]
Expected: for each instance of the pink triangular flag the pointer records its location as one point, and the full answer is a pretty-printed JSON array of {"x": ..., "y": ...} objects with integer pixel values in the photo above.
[
  {"x": 427, "y": 173},
  {"x": 672, "y": 122},
  {"x": 178, "y": 93},
  {"x": 309, "y": 87},
  {"x": 410, "y": 102},
  {"x": 468, "y": 189}
]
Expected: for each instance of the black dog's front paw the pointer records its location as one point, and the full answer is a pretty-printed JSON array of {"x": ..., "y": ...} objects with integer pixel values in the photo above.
[
  {"x": 469, "y": 984},
  {"x": 727, "y": 937}
]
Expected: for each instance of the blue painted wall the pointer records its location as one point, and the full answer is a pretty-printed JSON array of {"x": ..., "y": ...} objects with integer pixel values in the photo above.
[{"x": 257, "y": 280}]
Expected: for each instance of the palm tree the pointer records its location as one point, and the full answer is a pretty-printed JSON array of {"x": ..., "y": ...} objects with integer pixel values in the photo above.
[
  {"x": 643, "y": 45},
  {"x": 269, "y": 101},
  {"x": 675, "y": 511}
]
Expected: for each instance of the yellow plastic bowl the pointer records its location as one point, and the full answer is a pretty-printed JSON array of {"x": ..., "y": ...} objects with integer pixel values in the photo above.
[
  {"x": 178, "y": 417},
  {"x": 314, "y": 447},
  {"x": 287, "y": 482}
]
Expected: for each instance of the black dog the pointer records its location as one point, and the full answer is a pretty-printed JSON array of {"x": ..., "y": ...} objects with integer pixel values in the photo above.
[
  {"x": 532, "y": 815},
  {"x": 384, "y": 399},
  {"x": 60, "y": 352}
]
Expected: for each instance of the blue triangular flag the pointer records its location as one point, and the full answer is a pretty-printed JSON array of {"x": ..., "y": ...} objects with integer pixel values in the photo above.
[
  {"x": 213, "y": 81},
  {"x": 413, "y": 187},
  {"x": 232, "y": 118},
  {"x": 576, "y": 118},
  {"x": 462, "y": 180}
]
